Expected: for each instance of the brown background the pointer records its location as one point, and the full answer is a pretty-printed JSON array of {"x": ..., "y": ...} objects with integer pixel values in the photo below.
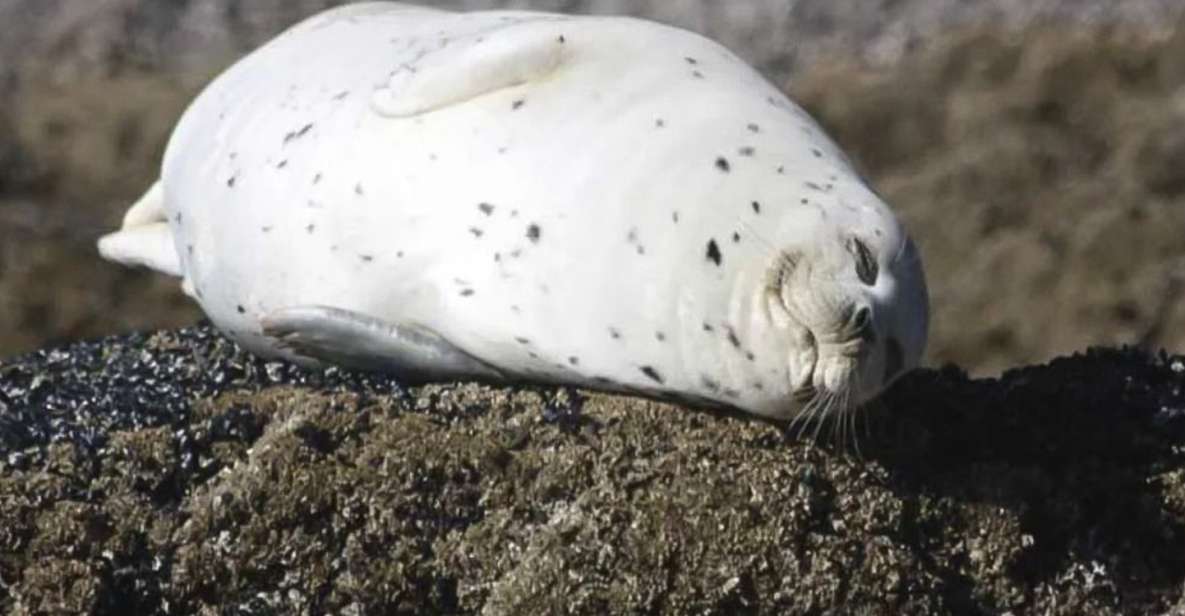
[{"x": 1036, "y": 150}]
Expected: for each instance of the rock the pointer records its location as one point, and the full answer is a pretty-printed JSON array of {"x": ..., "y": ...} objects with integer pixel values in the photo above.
[{"x": 174, "y": 473}]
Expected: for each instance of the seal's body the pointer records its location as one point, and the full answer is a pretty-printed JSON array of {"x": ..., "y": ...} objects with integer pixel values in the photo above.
[{"x": 604, "y": 202}]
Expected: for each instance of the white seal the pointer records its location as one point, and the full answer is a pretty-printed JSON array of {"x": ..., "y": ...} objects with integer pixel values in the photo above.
[{"x": 518, "y": 196}]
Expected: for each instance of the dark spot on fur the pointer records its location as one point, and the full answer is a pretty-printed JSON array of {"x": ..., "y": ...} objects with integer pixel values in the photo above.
[
  {"x": 659, "y": 123},
  {"x": 691, "y": 61},
  {"x": 230, "y": 182},
  {"x": 266, "y": 229},
  {"x": 813, "y": 186},
  {"x": 485, "y": 208},
  {"x": 750, "y": 356},
  {"x": 358, "y": 189},
  {"x": 732, "y": 337},
  {"x": 296, "y": 134},
  {"x": 521, "y": 340},
  {"x": 709, "y": 328},
  {"x": 614, "y": 334},
  {"x": 722, "y": 164},
  {"x": 189, "y": 248},
  {"x": 282, "y": 164},
  {"x": 756, "y": 207},
  {"x": 652, "y": 373},
  {"x": 753, "y": 128},
  {"x": 366, "y": 258},
  {"x": 562, "y": 40},
  {"x": 310, "y": 227},
  {"x": 341, "y": 95},
  {"x": 575, "y": 361},
  {"x": 713, "y": 253},
  {"x": 736, "y": 237},
  {"x": 317, "y": 178},
  {"x": 475, "y": 231},
  {"x": 732, "y": 393},
  {"x": 534, "y": 232},
  {"x": 709, "y": 383},
  {"x": 467, "y": 292},
  {"x": 518, "y": 104},
  {"x": 747, "y": 151},
  {"x": 817, "y": 153},
  {"x": 241, "y": 309},
  {"x": 661, "y": 337},
  {"x": 781, "y": 169},
  {"x": 675, "y": 217},
  {"x": 697, "y": 74}
]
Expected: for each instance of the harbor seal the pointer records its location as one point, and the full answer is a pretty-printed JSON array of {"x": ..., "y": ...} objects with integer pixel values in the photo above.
[{"x": 518, "y": 196}]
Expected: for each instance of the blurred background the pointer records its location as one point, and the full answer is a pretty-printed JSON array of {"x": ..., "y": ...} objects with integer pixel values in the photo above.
[{"x": 1034, "y": 148}]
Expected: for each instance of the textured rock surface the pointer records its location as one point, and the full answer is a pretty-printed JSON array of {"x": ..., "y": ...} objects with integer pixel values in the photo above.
[
  {"x": 173, "y": 473},
  {"x": 1031, "y": 146}
]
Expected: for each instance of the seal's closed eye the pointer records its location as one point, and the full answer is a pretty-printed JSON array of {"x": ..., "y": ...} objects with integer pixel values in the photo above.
[{"x": 867, "y": 269}]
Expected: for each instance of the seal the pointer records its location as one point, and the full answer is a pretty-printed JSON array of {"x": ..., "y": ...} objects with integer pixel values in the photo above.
[{"x": 516, "y": 196}]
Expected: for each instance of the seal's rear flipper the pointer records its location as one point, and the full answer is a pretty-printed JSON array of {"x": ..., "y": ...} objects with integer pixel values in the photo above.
[
  {"x": 360, "y": 341},
  {"x": 513, "y": 54},
  {"x": 145, "y": 238}
]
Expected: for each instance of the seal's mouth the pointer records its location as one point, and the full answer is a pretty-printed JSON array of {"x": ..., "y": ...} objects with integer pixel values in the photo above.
[{"x": 837, "y": 358}]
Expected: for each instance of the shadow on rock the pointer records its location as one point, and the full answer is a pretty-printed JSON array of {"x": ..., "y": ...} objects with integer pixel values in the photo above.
[{"x": 1079, "y": 455}]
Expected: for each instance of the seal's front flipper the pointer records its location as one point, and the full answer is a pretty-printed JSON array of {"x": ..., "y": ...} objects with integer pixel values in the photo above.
[
  {"x": 512, "y": 54},
  {"x": 356, "y": 340}
]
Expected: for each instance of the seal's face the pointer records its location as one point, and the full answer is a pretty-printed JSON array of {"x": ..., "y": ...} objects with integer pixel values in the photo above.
[{"x": 857, "y": 308}]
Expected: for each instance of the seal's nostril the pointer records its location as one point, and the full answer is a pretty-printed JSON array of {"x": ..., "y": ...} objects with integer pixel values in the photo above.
[{"x": 862, "y": 319}]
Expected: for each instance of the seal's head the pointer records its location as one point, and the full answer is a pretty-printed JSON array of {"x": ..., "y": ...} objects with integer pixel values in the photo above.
[{"x": 854, "y": 301}]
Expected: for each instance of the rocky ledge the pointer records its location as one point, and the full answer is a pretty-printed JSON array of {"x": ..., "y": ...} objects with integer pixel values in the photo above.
[{"x": 174, "y": 473}]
